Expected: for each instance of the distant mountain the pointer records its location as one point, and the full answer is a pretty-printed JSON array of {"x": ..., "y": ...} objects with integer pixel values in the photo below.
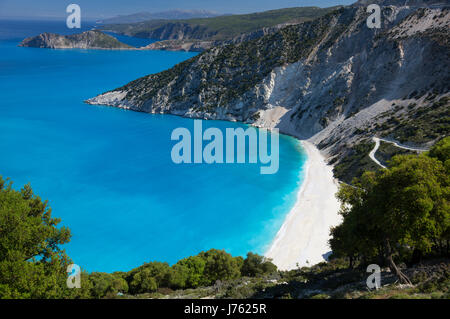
[
  {"x": 223, "y": 28},
  {"x": 165, "y": 15}
]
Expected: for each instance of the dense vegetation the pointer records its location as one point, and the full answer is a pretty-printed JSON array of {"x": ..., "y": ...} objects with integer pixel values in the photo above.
[
  {"x": 219, "y": 28},
  {"x": 32, "y": 265},
  {"x": 399, "y": 213}
]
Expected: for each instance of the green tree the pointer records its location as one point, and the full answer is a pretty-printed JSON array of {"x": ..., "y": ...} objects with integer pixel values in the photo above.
[
  {"x": 351, "y": 238},
  {"x": 149, "y": 277},
  {"x": 178, "y": 276},
  {"x": 219, "y": 266},
  {"x": 405, "y": 205},
  {"x": 32, "y": 265},
  {"x": 256, "y": 265},
  {"x": 104, "y": 284},
  {"x": 441, "y": 151},
  {"x": 142, "y": 282},
  {"x": 193, "y": 267}
]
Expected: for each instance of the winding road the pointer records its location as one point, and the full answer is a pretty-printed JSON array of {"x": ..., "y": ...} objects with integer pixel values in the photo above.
[{"x": 377, "y": 145}]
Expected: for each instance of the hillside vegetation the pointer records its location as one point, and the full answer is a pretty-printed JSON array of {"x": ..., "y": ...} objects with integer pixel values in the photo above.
[{"x": 216, "y": 28}]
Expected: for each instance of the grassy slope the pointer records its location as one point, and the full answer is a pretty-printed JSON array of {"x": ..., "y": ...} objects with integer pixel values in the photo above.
[{"x": 227, "y": 27}]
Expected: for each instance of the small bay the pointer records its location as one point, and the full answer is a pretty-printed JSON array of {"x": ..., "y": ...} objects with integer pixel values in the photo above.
[{"x": 107, "y": 172}]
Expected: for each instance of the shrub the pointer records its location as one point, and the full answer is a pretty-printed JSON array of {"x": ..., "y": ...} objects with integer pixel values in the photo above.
[{"x": 255, "y": 265}]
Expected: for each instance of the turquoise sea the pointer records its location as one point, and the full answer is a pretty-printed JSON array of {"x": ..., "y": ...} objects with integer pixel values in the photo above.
[{"x": 108, "y": 174}]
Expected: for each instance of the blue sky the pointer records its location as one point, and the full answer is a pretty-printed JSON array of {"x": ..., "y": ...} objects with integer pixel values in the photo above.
[{"x": 109, "y": 8}]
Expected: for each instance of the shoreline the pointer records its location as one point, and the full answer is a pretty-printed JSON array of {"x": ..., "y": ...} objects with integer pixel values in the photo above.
[
  {"x": 303, "y": 237},
  {"x": 302, "y": 240}
]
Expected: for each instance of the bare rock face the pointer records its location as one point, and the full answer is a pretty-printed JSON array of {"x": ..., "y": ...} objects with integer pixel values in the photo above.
[
  {"x": 326, "y": 80},
  {"x": 86, "y": 40}
]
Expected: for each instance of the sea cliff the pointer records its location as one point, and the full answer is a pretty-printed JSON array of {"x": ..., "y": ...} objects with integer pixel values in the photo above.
[{"x": 332, "y": 80}]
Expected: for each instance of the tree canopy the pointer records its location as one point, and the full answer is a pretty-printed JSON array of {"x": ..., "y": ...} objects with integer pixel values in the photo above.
[
  {"x": 32, "y": 264},
  {"x": 256, "y": 265},
  {"x": 404, "y": 206}
]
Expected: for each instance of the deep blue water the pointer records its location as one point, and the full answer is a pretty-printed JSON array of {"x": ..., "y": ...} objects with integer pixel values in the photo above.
[{"x": 108, "y": 174}]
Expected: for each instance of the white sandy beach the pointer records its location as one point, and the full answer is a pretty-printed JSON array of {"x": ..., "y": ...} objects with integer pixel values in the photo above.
[{"x": 303, "y": 237}]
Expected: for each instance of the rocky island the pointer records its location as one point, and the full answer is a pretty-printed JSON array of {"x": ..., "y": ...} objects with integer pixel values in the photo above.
[{"x": 92, "y": 39}]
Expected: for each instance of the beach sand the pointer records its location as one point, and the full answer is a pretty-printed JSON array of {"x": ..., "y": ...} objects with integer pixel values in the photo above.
[{"x": 303, "y": 237}]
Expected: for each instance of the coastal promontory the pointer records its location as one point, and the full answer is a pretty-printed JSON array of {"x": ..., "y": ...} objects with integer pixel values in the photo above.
[{"x": 92, "y": 39}]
